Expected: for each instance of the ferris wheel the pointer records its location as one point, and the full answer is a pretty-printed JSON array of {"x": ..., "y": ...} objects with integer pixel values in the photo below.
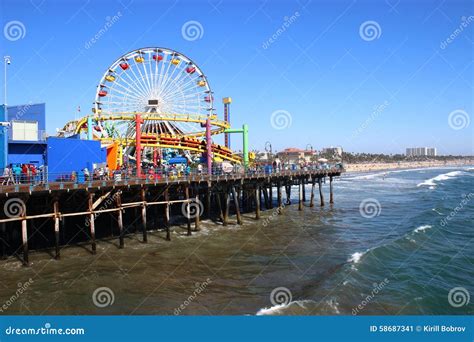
[{"x": 162, "y": 83}]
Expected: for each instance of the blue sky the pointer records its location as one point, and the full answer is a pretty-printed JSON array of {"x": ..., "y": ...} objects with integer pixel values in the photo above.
[{"x": 379, "y": 94}]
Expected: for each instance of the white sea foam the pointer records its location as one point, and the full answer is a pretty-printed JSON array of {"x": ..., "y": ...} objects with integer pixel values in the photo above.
[
  {"x": 422, "y": 228},
  {"x": 280, "y": 309},
  {"x": 355, "y": 258},
  {"x": 444, "y": 176}
]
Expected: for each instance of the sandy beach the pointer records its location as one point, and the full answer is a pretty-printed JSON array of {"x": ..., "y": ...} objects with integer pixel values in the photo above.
[{"x": 367, "y": 167}]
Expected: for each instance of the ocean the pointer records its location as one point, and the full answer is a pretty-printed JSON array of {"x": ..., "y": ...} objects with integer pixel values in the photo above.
[{"x": 394, "y": 243}]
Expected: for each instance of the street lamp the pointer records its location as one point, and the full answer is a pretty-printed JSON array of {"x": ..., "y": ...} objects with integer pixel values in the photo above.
[{"x": 7, "y": 61}]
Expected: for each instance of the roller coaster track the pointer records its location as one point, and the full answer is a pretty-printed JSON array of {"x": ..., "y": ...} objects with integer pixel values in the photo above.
[{"x": 186, "y": 141}]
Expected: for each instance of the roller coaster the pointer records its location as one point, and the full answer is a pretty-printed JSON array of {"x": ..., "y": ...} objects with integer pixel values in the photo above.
[{"x": 151, "y": 101}]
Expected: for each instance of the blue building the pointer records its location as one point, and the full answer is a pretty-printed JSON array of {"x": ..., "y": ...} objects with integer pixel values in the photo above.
[
  {"x": 24, "y": 141},
  {"x": 26, "y": 134}
]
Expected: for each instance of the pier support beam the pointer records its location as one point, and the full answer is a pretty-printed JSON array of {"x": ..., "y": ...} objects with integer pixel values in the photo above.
[
  {"x": 300, "y": 194},
  {"x": 280, "y": 208},
  {"x": 311, "y": 200},
  {"x": 118, "y": 203},
  {"x": 56, "y": 228},
  {"x": 219, "y": 205},
  {"x": 265, "y": 197},
  {"x": 3, "y": 238},
  {"x": 288, "y": 194},
  {"x": 237, "y": 205},
  {"x": 331, "y": 194},
  {"x": 321, "y": 197},
  {"x": 270, "y": 195},
  {"x": 257, "y": 202},
  {"x": 188, "y": 208},
  {"x": 198, "y": 210},
  {"x": 227, "y": 205},
  {"x": 143, "y": 197},
  {"x": 208, "y": 201},
  {"x": 167, "y": 215},
  {"x": 24, "y": 237},
  {"x": 92, "y": 222},
  {"x": 303, "y": 181}
]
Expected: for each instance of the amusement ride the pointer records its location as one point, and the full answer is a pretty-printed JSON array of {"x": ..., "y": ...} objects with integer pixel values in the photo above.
[{"x": 155, "y": 106}]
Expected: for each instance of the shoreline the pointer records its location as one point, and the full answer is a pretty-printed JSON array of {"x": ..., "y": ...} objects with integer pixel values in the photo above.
[{"x": 369, "y": 167}]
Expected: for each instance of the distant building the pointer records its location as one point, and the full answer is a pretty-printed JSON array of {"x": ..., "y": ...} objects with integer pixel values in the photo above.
[
  {"x": 421, "y": 152},
  {"x": 335, "y": 151},
  {"x": 295, "y": 155}
]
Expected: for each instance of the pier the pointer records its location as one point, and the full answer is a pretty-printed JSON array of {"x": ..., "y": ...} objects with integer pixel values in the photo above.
[{"x": 52, "y": 215}]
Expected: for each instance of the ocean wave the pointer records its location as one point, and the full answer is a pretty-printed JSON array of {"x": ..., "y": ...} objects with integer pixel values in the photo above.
[
  {"x": 422, "y": 228},
  {"x": 284, "y": 309},
  {"x": 444, "y": 176}
]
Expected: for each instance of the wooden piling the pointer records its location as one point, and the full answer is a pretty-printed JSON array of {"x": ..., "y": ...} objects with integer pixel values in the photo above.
[
  {"x": 208, "y": 201},
  {"x": 3, "y": 238},
  {"x": 24, "y": 236},
  {"x": 198, "y": 211},
  {"x": 188, "y": 209},
  {"x": 56, "y": 228},
  {"x": 321, "y": 197},
  {"x": 167, "y": 215},
  {"x": 265, "y": 197},
  {"x": 280, "y": 208},
  {"x": 270, "y": 195},
  {"x": 237, "y": 206},
  {"x": 300, "y": 194},
  {"x": 219, "y": 205},
  {"x": 143, "y": 197},
  {"x": 92, "y": 222},
  {"x": 311, "y": 200},
  {"x": 118, "y": 203},
  {"x": 331, "y": 194},
  {"x": 288, "y": 194},
  {"x": 303, "y": 189},
  {"x": 227, "y": 205}
]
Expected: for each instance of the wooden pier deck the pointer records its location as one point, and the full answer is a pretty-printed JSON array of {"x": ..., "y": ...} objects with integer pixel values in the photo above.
[{"x": 56, "y": 214}]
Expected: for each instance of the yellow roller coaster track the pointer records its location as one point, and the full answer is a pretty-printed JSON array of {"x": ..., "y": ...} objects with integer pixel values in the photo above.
[
  {"x": 130, "y": 116},
  {"x": 218, "y": 127}
]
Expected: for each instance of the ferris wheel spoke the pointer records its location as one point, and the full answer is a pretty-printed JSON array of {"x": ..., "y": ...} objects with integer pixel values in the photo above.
[
  {"x": 130, "y": 87},
  {"x": 134, "y": 83},
  {"x": 146, "y": 77},
  {"x": 138, "y": 81},
  {"x": 176, "y": 82}
]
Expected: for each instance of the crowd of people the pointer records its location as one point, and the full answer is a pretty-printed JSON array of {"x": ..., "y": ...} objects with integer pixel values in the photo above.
[{"x": 21, "y": 173}]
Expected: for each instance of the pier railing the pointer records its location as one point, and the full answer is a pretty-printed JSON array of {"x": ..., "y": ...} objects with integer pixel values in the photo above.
[{"x": 61, "y": 180}]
